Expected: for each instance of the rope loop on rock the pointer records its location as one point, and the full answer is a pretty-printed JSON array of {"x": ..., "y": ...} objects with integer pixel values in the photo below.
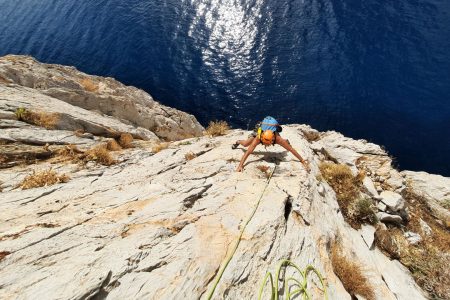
[{"x": 302, "y": 285}]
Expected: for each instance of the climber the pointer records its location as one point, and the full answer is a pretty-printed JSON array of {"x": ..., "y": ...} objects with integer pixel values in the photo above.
[{"x": 267, "y": 133}]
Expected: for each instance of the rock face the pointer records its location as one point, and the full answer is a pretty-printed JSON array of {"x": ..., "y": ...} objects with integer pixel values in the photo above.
[
  {"x": 435, "y": 189},
  {"x": 91, "y": 100},
  {"x": 160, "y": 223},
  {"x": 159, "y": 226}
]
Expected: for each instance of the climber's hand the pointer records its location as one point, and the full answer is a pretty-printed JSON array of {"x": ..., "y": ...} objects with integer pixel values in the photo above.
[{"x": 239, "y": 168}]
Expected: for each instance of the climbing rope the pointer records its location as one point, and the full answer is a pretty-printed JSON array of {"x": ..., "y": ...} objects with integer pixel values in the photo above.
[
  {"x": 302, "y": 285},
  {"x": 222, "y": 270}
]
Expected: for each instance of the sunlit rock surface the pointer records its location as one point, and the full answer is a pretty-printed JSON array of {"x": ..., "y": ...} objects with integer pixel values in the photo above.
[{"x": 159, "y": 225}]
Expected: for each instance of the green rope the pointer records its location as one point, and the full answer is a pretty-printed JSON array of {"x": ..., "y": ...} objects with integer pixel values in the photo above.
[
  {"x": 222, "y": 270},
  {"x": 302, "y": 286}
]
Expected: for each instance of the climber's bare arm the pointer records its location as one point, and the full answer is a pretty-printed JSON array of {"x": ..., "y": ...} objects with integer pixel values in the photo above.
[
  {"x": 249, "y": 151},
  {"x": 285, "y": 144}
]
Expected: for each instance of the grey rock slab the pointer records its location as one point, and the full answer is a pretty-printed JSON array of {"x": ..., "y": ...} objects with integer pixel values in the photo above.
[
  {"x": 368, "y": 234},
  {"x": 388, "y": 218},
  {"x": 426, "y": 229},
  {"x": 393, "y": 201},
  {"x": 412, "y": 237},
  {"x": 33, "y": 135},
  {"x": 435, "y": 189},
  {"x": 381, "y": 206},
  {"x": 105, "y": 95},
  {"x": 370, "y": 188},
  {"x": 69, "y": 117}
]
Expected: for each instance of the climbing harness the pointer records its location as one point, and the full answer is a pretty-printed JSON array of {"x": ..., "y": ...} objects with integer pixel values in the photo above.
[
  {"x": 222, "y": 270},
  {"x": 302, "y": 285}
]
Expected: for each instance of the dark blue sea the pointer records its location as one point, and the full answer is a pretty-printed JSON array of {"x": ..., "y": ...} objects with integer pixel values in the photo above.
[{"x": 372, "y": 69}]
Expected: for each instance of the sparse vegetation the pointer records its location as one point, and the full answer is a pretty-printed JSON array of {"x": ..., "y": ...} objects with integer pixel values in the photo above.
[
  {"x": 89, "y": 85},
  {"x": 126, "y": 140},
  {"x": 69, "y": 152},
  {"x": 43, "y": 178},
  {"x": 99, "y": 154},
  {"x": 347, "y": 189},
  {"x": 350, "y": 274},
  {"x": 159, "y": 147},
  {"x": 4, "y": 254},
  {"x": 217, "y": 128},
  {"x": 364, "y": 211},
  {"x": 190, "y": 156},
  {"x": 112, "y": 145},
  {"x": 264, "y": 170},
  {"x": 311, "y": 135},
  {"x": 428, "y": 261},
  {"x": 232, "y": 159},
  {"x": 39, "y": 118},
  {"x": 446, "y": 204}
]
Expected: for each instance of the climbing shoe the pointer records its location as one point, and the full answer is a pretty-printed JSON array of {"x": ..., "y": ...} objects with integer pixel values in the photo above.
[{"x": 234, "y": 146}]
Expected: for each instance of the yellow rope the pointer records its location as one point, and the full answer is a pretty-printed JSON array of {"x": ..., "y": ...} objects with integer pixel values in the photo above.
[
  {"x": 222, "y": 270},
  {"x": 284, "y": 263}
]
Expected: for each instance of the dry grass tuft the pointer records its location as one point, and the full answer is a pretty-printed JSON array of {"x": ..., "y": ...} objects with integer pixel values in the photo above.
[
  {"x": 428, "y": 261},
  {"x": 264, "y": 170},
  {"x": 4, "y": 254},
  {"x": 311, "y": 135},
  {"x": 232, "y": 160},
  {"x": 112, "y": 145},
  {"x": 39, "y": 118},
  {"x": 428, "y": 264},
  {"x": 89, "y": 85},
  {"x": 99, "y": 154},
  {"x": 42, "y": 178},
  {"x": 159, "y": 147},
  {"x": 364, "y": 211},
  {"x": 69, "y": 152},
  {"x": 217, "y": 128},
  {"x": 346, "y": 187},
  {"x": 126, "y": 140},
  {"x": 351, "y": 275},
  {"x": 190, "y": 156}
]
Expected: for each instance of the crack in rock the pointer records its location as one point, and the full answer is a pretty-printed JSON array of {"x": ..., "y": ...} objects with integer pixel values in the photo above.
[{"x": 189, "y": 201}]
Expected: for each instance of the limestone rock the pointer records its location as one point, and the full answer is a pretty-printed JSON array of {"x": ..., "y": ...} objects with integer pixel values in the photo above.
[
  {"x": 158, "y": 225},
  {"x": 69, "y": 117},
  {"x": 426, "y": 229},
  {"x": 412, "y": 237},
  {"x": 105, "y": 95},
  {"x": 388, "y": 218},
  {"x": 381, "y": 206},
  {"x": 368, "y": 234},
  {"x": 435, "y": 189},
  {"x": 370, "y": 188},
  {"x": 393, "y": 201}
]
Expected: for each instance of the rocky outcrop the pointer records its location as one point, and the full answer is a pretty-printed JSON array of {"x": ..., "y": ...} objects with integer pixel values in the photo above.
[
  {"x": 91, "y": 101},
  {"x": 435, "y": 189},
  {"x": 161, "y": 221},
  {"x": 159, "y": 226}
]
